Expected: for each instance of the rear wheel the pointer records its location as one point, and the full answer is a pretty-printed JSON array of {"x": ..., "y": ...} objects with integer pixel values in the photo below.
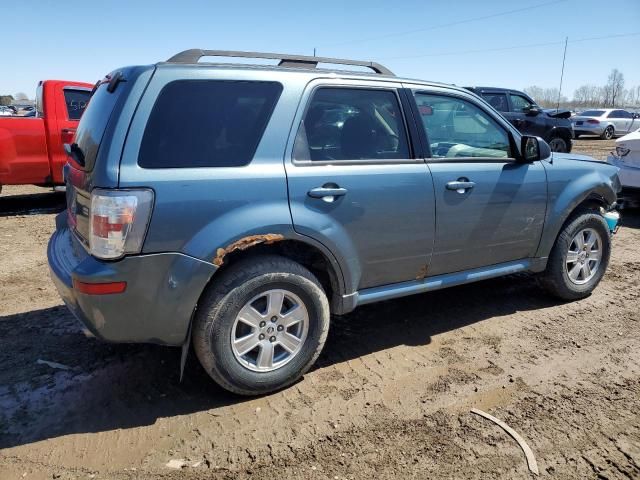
[
  {"x": 559, "y": 144},
  {"x": 608, "y": 133},
  {"x": 579, "y": 257},
  {"x": 261, "y": 325}
]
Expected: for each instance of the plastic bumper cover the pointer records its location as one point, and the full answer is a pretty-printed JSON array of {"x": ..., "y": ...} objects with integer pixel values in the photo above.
[{"x": 156, "y": 307}]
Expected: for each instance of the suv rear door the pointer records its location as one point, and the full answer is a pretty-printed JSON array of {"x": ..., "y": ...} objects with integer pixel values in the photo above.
[
  {"x": 489, "y": 208},
  {"x": 355, "y": 184}
]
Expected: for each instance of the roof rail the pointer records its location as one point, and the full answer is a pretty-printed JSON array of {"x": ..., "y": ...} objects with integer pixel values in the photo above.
[{"x": 301, "y": 61}]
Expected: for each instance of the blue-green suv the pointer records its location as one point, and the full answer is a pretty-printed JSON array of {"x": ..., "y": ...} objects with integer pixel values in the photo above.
[{"x": 236, "y": 207}]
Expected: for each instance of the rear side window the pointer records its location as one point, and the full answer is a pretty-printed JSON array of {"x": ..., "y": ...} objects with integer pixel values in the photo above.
[
  {"x": 352, "y": 124},
  {"x": 207, "y": 123},
  {"x": 76, "y": 101},
  {"x": 497, "y": 101}
]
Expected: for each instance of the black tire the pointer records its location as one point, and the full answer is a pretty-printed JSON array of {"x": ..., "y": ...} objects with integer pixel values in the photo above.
[
  {"x": 608, "y": 133},
  {"x": 559, "y": 144},
  {"x": 555, "y": 279},
  {"x": 228, "y": 294}
]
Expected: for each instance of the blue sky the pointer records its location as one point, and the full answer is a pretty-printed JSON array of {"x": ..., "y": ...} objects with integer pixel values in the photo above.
[{"x": 447, "y": 42}]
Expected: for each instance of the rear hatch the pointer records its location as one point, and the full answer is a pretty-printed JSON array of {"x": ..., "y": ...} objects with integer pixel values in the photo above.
[{"x": 90, "y": 162}]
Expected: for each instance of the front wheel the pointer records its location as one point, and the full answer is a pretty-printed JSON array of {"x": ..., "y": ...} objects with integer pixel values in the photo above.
[
  {"x": 261, "y": 325},
  {"x": 608, "y": 133},
  {"x": 579, "y": 257}
]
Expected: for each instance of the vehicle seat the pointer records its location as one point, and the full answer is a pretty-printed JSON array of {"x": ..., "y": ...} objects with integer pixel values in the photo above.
[{"x": 359, "y": 138}]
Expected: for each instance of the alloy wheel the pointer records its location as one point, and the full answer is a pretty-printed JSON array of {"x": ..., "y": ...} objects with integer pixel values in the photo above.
[
  {"x": 584, "y": 256},
  {"x": 270, "y": 330}
]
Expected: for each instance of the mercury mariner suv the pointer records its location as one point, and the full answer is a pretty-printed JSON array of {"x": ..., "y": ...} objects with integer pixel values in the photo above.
[{"x": 236, "y": 207}]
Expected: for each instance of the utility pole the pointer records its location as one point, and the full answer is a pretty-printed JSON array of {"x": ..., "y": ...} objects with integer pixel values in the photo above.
[
  {"x": 314, "y": 51},
  {"x": 566, "y": 40}
]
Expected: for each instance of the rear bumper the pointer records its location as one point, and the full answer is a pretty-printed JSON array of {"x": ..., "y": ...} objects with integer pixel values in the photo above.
[{"x": 156, "y": 307}]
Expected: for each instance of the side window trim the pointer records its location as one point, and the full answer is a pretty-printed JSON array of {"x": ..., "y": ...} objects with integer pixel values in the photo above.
[
  {"x": 432, "y": 159},
  {"x": 405, "y": 118}
]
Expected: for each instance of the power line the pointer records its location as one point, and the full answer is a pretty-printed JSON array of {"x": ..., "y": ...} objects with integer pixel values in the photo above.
[
  {"x": 443, "y": 25},
  {"x": 513, "y": 47}
]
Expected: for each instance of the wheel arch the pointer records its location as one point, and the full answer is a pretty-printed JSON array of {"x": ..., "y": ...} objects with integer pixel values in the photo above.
[
  {"x": 307, "y": 252},
  {"x": 591, "y": 200}
]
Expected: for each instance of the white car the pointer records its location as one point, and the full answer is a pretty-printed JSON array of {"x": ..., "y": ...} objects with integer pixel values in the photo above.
[{"x": 627, "y": 158}]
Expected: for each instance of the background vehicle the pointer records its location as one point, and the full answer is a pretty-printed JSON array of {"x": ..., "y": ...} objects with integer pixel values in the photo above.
[
  {"x": 529, "y": 118},
  {"x": 289, "y": 193},
  {"x": 627, "y": 158},
  {"x": 605, "y": 122},
  {"x": 31, "y": 147},
  {"x": 6, "y": 111}
]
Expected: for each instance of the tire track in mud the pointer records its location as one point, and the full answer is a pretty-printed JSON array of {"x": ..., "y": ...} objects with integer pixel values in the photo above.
[{"x": 391, "y": 392}]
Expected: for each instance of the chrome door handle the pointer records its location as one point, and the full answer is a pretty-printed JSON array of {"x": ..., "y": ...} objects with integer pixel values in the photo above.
[
  {"x": 461, "y": 186},
  {"x": 327, "y": 193}
]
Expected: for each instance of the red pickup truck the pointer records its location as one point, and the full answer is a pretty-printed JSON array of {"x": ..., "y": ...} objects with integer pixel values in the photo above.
[{"x": 31, "y": 148}]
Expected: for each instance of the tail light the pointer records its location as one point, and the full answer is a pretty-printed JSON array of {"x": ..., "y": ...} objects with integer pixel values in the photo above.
[
  {"x": 593, "y": 121},
  {"x": 118, "y": 222}
]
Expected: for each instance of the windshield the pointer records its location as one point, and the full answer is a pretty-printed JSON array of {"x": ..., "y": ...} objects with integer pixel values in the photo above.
[{"x": 592, "y": 113}]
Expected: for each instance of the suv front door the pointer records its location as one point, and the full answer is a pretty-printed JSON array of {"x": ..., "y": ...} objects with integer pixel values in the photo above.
[
  {"x": 521, "y": 116},
  {"x": 355, "y": 185},
  {"x": 490, "y": 208}
]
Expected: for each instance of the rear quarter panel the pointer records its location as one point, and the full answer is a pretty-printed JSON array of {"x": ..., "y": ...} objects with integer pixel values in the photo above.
[{"x": 199, "y": 210}]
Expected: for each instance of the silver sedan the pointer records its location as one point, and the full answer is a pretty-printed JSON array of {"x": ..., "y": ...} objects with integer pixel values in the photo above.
[{"x": 606, "y": 123}]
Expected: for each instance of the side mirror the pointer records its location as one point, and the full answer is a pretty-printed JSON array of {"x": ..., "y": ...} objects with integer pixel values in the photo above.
[
  {"x": 533, "y": 111},
  {"x": 534, "y": 148}
]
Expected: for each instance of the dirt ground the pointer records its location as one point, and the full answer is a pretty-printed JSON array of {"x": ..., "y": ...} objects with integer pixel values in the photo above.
[{"x": 390, "y": 396}]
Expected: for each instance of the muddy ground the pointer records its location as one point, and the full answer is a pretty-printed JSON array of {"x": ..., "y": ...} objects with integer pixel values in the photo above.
[{"x": 389, "y": 397}]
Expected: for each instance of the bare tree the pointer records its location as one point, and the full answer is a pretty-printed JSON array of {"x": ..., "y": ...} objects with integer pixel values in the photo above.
[
  {"x": 614, "y": 87},
  {"x": 20, "y": 96},
  {"x": 546, "y": 97}
]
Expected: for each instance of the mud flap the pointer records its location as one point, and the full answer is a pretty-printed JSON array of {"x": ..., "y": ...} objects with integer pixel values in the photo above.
[{"x": 185, "y": 351}]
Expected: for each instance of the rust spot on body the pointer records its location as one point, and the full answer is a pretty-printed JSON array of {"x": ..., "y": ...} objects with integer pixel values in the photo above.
[{"x": 244, "y": 243}]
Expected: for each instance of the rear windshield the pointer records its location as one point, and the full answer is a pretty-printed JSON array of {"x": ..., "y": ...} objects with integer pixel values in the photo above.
[
  {"x": 207, "y": 123},
  {"x": 76, "y": 101},
  {"x": 94, "y": 122},
  {"x": 592, "y": 113}
]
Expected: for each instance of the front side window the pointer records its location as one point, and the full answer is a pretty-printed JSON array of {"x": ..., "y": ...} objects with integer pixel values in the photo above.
[
  {"x": 457, "y": 128},
  {"x": 352, "y": 124},
  {"x": 497, "y": 101},
  {"x": 519, "y": 103},
  {"x": 76, "y": 101},
  {"x": 207, "y": 123}
]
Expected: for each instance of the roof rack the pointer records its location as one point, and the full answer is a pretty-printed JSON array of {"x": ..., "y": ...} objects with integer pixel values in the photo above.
[{"x": 300, "y": 61}]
